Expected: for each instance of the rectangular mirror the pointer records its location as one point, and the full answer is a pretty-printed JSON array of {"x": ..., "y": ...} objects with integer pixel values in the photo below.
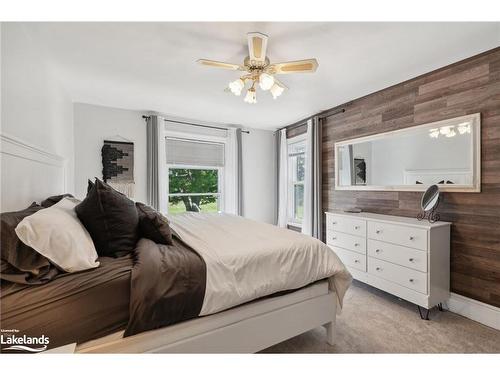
[{"x": 446, "y": 153}]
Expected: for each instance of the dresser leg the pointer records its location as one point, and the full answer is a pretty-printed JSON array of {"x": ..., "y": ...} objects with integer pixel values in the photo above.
[
  {"x": 440, "y": 306},
  {"x": 424, "y": 315}
]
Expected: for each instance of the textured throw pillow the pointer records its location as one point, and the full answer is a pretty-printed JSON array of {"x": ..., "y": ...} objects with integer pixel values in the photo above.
[
  {"x": 110, "y": 218},
  {"x": 153, "y": 225},
  {"x": 57, "y": 234},
  {"x": 50, "y": 201},
  {"x": 20, "y": 263}
]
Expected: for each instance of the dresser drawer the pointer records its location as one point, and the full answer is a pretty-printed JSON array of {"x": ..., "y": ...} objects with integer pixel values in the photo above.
[
  {"x": 346, "y": 225},
  {"x": 351, "y": 258},
  {"x": 346, "y": 241},
  {"x": 398, "y": 234},
  {"x": 405, "y": 256},
  {"x": 406, "y": 277}
]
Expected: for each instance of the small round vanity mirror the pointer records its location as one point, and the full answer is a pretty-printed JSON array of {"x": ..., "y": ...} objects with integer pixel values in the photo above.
[
  {"x": 430, "y": 198},
  {"x": 429, "y": 203}
]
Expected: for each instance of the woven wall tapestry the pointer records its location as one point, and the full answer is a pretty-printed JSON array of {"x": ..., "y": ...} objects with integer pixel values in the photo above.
[{"x": 118, "y": 166}]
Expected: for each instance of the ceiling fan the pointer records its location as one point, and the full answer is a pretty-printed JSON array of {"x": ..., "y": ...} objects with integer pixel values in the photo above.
[{"x": 259, "y": 69}]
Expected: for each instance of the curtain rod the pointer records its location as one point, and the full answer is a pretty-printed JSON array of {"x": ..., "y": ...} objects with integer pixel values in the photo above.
[
  {"x": 321, "y": 115},
  {"x": 190, "y": 123}
]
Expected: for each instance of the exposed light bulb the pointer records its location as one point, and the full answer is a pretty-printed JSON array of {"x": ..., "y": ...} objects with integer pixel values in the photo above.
[
  {"x": 277, "y": 90},
  {"x": 236, "y": 86},
  {"x": 266, "y": 81},
  {"x": 251, "y": 96}
]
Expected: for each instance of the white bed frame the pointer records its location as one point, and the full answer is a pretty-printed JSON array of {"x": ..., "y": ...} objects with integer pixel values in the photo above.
[{"x": 244, "y": 329}]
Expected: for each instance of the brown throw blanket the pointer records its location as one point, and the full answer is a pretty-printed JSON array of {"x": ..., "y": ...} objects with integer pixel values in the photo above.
[{"x": 168, "y": 285}]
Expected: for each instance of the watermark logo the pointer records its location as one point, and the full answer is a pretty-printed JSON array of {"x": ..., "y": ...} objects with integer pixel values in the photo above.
[{"x": 11, "y": 340}]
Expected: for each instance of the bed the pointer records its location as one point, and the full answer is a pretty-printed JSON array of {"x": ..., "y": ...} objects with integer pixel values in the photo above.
[
  {"x": 270, "y": 285},
  {"x": 225, "y": 285}
]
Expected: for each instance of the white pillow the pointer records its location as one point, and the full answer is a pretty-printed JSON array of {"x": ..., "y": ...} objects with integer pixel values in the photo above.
[{"x": 58, "y": 235}]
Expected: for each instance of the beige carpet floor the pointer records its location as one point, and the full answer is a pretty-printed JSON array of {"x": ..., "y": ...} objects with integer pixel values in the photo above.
[{"x": 373, "y": 321}]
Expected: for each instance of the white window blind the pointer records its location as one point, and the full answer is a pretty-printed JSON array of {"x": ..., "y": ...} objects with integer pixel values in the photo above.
[
  {"x": 190, "y": 152},
  {"x": 195, "y": 129}
]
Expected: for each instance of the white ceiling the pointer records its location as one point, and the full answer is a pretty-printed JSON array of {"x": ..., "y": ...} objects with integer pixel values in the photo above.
[{"x": 151, "y": 66}]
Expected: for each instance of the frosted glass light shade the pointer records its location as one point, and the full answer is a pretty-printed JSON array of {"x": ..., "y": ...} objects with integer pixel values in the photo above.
[
  {"x": 251, "y": 96},
  {"x": 266, "y": 81},
  {"x": 276, "y": 90},
  {"x": 237, "y": 86}
]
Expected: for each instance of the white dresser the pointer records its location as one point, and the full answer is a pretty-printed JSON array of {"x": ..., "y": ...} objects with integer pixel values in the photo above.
[{"x": 400, "y": 255}]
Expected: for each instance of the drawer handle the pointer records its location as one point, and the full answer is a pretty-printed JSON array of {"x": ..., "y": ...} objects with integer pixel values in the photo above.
[
  {"x": 378, "y": 251},
  {"x": 334, "y": 222},
  {"x": 356, "y": 244},
  {"x": 334, "y": 238},
  {"x": 356, "y": 261},
  {"x": 356, "y": 227},
  {"x": 411, "y": 280},
  {"x": 411, "y": 259},
  {"x": 378, "y": 231},
  {"x": 378, "y": 269},
  {"x": 412, "y": 238}
]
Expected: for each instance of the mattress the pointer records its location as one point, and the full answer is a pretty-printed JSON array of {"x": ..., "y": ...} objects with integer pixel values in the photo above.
[{"x": 72, "y": 308}]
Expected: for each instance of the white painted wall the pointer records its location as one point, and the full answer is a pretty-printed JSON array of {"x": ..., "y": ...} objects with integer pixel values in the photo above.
[
  {"x": 35, "y": 108},
  {"x": 259, "y": 175},
  {"x": 94, "y": 124}
]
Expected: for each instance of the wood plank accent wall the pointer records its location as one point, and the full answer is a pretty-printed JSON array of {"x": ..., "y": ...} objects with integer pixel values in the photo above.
[{"x": 466, "y": 87}]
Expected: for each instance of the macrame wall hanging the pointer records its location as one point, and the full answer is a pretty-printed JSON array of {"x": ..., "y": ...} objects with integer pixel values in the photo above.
[{"x": 118, "y": 166}]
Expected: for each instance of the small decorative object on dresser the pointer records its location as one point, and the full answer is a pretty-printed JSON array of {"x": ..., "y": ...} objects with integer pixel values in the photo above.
[
  {"x": 429, "y": 203},
  {"x": 400, "y": 255}
]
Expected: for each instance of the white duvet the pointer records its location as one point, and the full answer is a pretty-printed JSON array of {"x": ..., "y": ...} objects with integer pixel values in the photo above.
[{"x": 246, "y": 259}]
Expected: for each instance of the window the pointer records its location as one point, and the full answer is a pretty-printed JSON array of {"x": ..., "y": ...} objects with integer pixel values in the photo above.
[
  {"x": 296, "y": 175},
  {"x": 195, "y": 175},
  {"x": 193, "y": 189}
]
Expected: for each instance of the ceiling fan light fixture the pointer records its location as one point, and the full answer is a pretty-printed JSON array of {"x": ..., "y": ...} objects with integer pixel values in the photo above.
[
  {"x": 251, "y": 97},
  {"x": 276, "y": 90},
  {"x": 266, "y": 81},
  {"x": 258, "y": 69},
  {"x": 236, "y": 86}
]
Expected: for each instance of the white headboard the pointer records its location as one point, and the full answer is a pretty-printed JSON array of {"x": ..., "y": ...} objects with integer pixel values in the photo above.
[{"x": 28, "y": 174}]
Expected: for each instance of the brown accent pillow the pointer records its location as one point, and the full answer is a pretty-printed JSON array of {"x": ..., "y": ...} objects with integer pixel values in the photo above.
[
  {"x": 110, "y": 218},
  {"x": 50, "y": 201},
  {"x": 153, "y": 225},
  {"x": 19, "y": 262}
]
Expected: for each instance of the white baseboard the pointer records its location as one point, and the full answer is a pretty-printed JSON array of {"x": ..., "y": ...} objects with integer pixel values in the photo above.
[{"x": 470, "y": 308}]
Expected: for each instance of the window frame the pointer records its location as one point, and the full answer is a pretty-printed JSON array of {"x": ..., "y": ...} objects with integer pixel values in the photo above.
[
  {"x": 163, "y": 165},
  {"x": 299, "y": 139}
]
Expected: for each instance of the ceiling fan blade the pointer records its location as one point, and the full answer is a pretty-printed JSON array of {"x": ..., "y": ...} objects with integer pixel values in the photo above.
[
  {"x": 257, "y": 46},
  {"x": 219, "y": 64},
  {"x": 300, "y": 66}
]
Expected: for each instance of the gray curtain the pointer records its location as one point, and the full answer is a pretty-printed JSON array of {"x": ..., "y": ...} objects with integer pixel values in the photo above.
[
  {"x": 153, "y": 124},
  {"x": 277, "y": 142},
  {"x": 239, "y": 174},
  {"x": 313, "y": 216}
]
